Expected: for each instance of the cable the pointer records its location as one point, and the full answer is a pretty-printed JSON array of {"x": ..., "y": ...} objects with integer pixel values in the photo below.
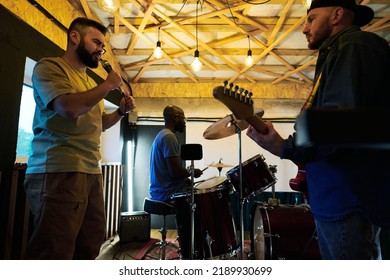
[{"x": 255, "y": 3}]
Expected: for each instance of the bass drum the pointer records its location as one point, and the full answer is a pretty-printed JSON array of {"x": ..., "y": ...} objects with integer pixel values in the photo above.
[
  {"x": 283, "y": 232},
  {"x": 214, "y": 228}
]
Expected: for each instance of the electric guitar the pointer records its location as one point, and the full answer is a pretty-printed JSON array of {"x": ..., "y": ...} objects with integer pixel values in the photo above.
[
  {"x": 240, "y": 102},
  {"x": 299, "y": 182}
]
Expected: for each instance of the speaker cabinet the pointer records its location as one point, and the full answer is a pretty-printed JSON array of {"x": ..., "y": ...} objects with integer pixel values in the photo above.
[{"x": 134, "y": 226}]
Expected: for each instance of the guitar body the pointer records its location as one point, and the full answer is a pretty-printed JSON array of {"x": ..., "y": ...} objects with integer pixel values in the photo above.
[{"x": 299, "y": 183}]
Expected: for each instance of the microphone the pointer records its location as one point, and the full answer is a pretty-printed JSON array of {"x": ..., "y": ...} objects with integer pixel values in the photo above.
[{"x": 106, "y": 65}]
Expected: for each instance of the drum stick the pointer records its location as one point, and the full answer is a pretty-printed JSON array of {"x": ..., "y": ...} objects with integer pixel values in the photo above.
[{"x": 205, "y": 169}]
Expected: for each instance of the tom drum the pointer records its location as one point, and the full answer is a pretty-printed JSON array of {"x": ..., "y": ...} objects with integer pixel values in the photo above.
[{"x": 256, "y": 176}]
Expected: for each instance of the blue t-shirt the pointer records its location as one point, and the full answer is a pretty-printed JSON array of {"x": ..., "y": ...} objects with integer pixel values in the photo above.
[{"x": 162, "y": 185}]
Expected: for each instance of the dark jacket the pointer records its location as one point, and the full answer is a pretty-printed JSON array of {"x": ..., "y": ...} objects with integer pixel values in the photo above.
[{"x": 355, "y": 68}]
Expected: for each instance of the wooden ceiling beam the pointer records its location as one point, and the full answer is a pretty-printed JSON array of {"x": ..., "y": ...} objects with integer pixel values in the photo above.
[
  {"x": 145, "y": 20},
  {"x": 269, "y": 49},
  {"x": 311, "y": 62},
  {"x": 221, "y": 67},
  {"x": 280, "y": 22},
  {"x": 222, "y": 51},
  {"x": 201, "y": 43},
  {"x": 277, "y": 28},
  {"x": 135, "y": 30}
]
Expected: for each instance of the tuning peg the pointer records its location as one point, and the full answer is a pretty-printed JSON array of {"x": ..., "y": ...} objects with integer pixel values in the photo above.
[
  {"x": 225, "y": 90},
  {"x": 241, "y": 93},
  {"x": 231, "y": 89},
  {"x": 246, "y": 96},
  {"x": 236, "y": 88},
  {"x": 250, "y": 101}
]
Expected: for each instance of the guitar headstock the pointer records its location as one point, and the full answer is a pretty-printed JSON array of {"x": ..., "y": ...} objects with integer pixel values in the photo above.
[{"x": 237, "y": 99}]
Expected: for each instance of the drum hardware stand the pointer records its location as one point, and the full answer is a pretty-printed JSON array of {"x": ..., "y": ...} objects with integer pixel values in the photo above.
[
  {"x": 242, "y": 201},
  {"x": 209, "y": 241},
  {"x": 219, "y": 168},
  {"x": 273, "y": 201},
  {"x": 192, "y": 152}
]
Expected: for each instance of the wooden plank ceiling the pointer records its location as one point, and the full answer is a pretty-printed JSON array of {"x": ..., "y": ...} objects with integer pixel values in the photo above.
[{"x": 223, "y": 32}]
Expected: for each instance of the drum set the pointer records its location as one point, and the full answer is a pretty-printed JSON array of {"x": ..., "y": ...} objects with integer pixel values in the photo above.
[{"x": 210, "y": 233}]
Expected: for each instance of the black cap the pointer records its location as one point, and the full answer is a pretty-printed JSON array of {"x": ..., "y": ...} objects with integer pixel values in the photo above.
[{"x": 363, "y": 14}]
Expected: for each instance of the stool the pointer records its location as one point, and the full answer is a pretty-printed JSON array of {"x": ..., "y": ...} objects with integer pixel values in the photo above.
[{"x": 162, "y": 209}]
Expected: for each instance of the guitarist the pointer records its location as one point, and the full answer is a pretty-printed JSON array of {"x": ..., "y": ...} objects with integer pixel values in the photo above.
[{"x": 349, "y": 189}]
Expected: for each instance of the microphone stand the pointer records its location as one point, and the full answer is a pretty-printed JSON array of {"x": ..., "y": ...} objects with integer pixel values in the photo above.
[
  {"x": 192, "y": 152},
  {"x": 192, "y": 206},
  {"x": 242, "y": 201}
]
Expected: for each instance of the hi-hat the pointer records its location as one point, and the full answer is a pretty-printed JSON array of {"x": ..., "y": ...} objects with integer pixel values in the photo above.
[{"x": 225, "y": 127}]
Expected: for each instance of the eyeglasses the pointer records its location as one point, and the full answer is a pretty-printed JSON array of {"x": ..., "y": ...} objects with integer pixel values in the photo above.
[
  {"x": 100, "y": 44},
  {"x": 184, "y": 118}
]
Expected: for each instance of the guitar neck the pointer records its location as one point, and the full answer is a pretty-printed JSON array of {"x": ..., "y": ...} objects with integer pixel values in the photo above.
[{"x": 257, "y": 123}]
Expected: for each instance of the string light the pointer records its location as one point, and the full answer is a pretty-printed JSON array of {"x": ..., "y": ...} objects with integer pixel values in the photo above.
[
  {"x": 196, "y": 65},
  {"x": 110, "y": 6},
  {"x": 157, "y": 50},
  {"x": 249, "y": 59}
]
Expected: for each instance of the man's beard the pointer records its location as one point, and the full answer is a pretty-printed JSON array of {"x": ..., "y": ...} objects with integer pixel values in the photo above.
[
  {"x": 180, "y": 128},
  {"x": 85, "y": 56},
  {"x": 321, "y": 37}
]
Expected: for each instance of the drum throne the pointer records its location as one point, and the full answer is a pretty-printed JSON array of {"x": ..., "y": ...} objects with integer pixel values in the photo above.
[{"x": 162, "y": 209}]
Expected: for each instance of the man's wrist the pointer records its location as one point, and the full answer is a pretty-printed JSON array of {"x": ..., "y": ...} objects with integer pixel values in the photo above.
[
  {"x": 189, "y": 171},
  {"x": 120, "y": 113}
]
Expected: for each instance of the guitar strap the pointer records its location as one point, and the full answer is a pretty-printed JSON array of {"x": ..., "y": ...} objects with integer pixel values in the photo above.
[{"x": 313, "y": 92}]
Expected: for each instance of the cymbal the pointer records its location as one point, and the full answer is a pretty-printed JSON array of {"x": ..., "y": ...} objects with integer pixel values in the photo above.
[
  {"x": 220, "y": 165},
  {"x": 224, "y": 127}
]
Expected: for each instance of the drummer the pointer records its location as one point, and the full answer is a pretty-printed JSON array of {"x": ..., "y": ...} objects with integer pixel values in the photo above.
[{"x": 167, "y": 173}]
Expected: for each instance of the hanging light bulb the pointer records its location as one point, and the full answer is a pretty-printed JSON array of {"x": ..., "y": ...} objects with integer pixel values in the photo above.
[
  {"x": 306, "y": 3},
  {"x": 110, "y": 6},
  {"x": 196, "y": 65},
  {"x": 249, "y": 58},
  {"x": 157, "y": 50}
]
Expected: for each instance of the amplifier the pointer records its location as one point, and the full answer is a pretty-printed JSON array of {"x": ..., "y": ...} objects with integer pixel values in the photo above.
[{"x": 134, "y": 226}]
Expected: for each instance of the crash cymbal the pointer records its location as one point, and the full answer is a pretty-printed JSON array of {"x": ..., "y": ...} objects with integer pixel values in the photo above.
[
  {"x": 220, "y": 165},
  {"x": 224, "y": 127}
]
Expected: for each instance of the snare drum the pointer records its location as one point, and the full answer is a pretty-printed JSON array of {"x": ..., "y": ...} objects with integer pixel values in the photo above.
[
  {"x": 256, "y": 176},
  {"x": 283, "y": 232},
  {"x": 214, "y": 228}
]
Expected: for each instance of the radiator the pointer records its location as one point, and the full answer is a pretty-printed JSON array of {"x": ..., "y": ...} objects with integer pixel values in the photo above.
[
  {"x": 112, "y": 182},
  {"x": 16, "y": 224},
  {"x": 16, "y": 220}
]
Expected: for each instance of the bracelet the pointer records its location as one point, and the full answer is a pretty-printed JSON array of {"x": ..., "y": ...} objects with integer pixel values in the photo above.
[{"x": 120, "y": 113}]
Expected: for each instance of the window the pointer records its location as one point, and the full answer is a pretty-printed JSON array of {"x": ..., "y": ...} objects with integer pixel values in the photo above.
[
  {"x": 25, "y": 133},
  {"x": 26, "y": 115}
]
